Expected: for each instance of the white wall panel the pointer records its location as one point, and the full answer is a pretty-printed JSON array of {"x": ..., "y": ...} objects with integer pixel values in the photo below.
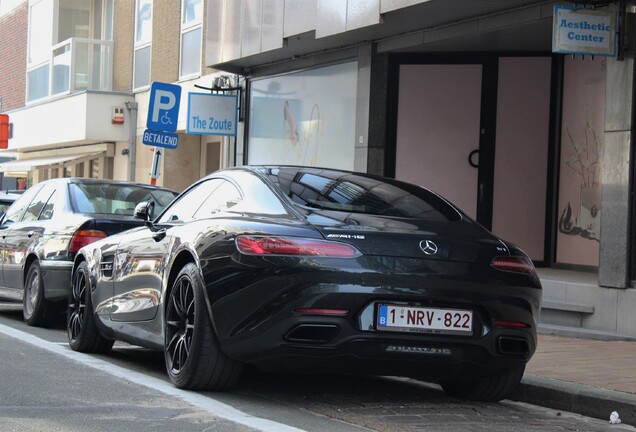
[
  {"x": 391, "y": 5},
  {"x": 331, "y": 17},
  {"x": 232, "y": 23},
  {"x": 214, "y": 32},
  {"x": 362, "y": 13},
  {"x": 300, "y": 17},
  {"x": 252, "y": 24},
  {"x": 273, "y": 18}
]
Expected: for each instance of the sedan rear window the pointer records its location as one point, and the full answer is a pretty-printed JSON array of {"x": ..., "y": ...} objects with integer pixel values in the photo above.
[
  {"x": 357, "y": 193},
  {"x": 113, "y": 198}
]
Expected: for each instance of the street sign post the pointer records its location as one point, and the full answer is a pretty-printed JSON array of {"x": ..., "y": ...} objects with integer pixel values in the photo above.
[
  {"x": 155, "y": 172},
  {"x": 163, "y": 115}
]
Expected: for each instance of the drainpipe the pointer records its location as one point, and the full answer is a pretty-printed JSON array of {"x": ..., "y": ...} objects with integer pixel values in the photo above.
[{"x": 132, "y": 148}]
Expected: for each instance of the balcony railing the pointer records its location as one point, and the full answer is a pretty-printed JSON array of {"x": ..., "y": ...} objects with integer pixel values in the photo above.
[{"x": 77, "y": 65}]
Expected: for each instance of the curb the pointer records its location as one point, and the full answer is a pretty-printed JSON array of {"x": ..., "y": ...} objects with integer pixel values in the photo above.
[{"x": 577, "y": 398}]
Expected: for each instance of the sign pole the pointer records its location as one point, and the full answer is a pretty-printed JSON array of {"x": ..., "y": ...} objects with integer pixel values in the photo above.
[{"x": 155, "y": 172}]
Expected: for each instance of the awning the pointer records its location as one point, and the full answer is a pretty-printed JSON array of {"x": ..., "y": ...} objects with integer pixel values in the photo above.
[{"x": 25, "y": 165}]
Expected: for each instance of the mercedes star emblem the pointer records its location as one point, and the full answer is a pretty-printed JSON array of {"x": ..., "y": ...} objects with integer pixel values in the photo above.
[{"x": 428, "y": 247}]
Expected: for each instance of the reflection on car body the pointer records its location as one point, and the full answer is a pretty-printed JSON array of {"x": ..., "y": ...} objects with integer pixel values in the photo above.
[
  {"x": 311, "y": 270},
  {"x": 41, "y": 232}
]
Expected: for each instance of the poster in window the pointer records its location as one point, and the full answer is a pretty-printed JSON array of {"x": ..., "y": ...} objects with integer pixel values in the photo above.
[
  {"x": 304, "y": 118},
  {"x": 582, "y": 130}
]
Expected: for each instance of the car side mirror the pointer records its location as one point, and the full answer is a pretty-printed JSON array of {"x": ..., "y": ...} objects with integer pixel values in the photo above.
[{"x": 144, "y": 211}]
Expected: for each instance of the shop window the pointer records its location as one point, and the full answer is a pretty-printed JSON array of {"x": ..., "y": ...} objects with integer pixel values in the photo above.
[{"x": 579, "y": 208}]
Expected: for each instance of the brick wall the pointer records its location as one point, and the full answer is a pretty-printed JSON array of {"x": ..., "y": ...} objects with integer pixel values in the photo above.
[
  {"x": 166, "y": 32},
  {"x": 13, "y": 47},
  {"x": 123, "y": 32}
]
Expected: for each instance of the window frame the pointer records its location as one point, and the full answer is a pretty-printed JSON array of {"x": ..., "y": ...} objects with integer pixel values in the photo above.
[
  {"x": 188, "y": 28},
  {"x": 140, "y": 44}
]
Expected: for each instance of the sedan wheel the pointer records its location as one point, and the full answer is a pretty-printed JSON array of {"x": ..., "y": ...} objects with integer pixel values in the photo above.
[
  {"x": 194, "y": 359},
  {"x": 488, "y": 389},
  {"x": 37, "y": 310},
  {"x": 80, "y": 321}
]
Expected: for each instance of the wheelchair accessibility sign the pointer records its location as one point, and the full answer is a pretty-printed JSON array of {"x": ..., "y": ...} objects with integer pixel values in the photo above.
[{"x": 163, "y": 115}]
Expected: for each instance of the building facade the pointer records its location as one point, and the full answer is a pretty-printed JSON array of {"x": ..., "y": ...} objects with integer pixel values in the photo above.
[
  {"x": 468, "y": 99},
  {"x": 465, "y": 98}
]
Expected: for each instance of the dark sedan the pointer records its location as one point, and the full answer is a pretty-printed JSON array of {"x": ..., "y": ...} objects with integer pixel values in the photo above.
[
  {"x": 44, "y": 228},
  {"x": 311, "y": 270}
]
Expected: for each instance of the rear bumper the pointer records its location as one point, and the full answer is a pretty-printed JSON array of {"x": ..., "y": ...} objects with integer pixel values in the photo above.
[
  {"x": 260, "y": 323},
  {"x": 57, "y": 279},
  {"x": 351, "y": 351}
]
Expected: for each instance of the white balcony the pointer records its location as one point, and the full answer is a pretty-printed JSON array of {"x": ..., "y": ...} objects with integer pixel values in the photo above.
[{"x": 75, "y": 65}]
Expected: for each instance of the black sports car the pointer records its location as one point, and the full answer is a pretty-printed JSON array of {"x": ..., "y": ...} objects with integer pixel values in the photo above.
[{"x": 303, "y": 269}]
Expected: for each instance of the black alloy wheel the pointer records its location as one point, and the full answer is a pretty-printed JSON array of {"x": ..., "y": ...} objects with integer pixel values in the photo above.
[
  {"x": 81, "y": 329},
  {"x": 36, "y": 310},
  {"x": 486, "y": 389},
  {"x": 193, "y": 357}
]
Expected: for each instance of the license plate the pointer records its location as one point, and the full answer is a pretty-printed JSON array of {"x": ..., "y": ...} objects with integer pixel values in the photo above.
[{"x": 424, "y": 319}]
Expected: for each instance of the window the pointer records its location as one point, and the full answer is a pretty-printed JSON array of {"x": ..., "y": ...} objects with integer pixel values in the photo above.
[
  {"x": 17, "y": 209},
  {"x": 69, "y": 47},
  {"x": 352, "y": 193},
  {"x": 143, "y": 42},
  {"x": 39, "y": 202},
  {"x": 115, "y": 198},
  {"x": 188, "y": 204},
  {"x": 39, "y": 49},
  {"x": 222, "y": 199},
  {"x": 191, "y": 36}
]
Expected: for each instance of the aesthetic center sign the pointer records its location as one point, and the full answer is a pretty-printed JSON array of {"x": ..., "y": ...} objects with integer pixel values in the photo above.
[{"x": 584, "y": 31}]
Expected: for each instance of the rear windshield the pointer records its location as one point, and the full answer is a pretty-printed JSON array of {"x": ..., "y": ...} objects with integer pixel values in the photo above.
[
  {"x": 353, "y": 193},
  {"x": 121, "y": 199}
]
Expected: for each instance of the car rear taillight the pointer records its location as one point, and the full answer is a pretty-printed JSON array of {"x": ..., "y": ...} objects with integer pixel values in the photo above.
[
  {"x": 513, "y": 264},
  {"x": 83, "y": 237},
  {"x": 320, "y": 311},
  {"x": 271, "y": 245},
  {"x": 511, "y": 324}
]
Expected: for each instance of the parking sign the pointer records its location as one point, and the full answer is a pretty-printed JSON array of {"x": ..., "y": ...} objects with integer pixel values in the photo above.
[{"x": 163, "y": 109}]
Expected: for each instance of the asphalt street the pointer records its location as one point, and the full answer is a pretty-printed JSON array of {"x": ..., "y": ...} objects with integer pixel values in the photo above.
[{"x": 47, "y": 387}]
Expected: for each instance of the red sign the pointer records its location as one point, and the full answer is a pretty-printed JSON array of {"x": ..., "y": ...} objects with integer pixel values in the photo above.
[{"x": 4, "y": 131}]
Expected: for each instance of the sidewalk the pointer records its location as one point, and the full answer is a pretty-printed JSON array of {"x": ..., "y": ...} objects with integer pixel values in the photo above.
[{"x": 585, "y": 376}]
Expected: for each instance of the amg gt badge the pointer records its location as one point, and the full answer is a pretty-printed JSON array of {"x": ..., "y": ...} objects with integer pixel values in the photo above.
[{"x": 428, "y": 247}]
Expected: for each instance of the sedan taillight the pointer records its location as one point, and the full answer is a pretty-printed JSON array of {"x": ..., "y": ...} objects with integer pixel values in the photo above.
[
  {"x": 513, "y": 264},
  {"x": 271, "y": 245},
  {"x": 83, "y": 237}
]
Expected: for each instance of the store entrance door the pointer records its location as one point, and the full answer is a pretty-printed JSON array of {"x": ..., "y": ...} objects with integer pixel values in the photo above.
[{"x": 478, "y": 134}]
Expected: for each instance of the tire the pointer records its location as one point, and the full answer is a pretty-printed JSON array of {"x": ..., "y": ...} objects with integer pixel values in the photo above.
[
  {"x": 194, "y": 360},
  {"x": 81, "y": 328},
  {"x": 37, "y": 310},
  {"x": 487, "y": 389}
]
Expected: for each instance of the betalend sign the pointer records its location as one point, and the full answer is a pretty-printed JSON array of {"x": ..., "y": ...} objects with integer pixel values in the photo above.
[
  {"x": 212, "y": 114},
  {"x": 584, "y": 31}
]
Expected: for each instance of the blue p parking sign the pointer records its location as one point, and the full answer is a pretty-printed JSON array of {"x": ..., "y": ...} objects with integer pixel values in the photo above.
[{"x": 163, "y": 109}]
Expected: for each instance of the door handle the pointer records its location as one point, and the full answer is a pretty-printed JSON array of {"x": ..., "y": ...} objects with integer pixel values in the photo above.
[
  {"x": 159, "y": 235},
  {"x": 481, "y": 192},
  {"x": 471, "y": 157}
]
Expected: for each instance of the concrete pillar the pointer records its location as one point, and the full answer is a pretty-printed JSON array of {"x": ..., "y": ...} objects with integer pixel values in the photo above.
[{"x": 616, "y": 202}]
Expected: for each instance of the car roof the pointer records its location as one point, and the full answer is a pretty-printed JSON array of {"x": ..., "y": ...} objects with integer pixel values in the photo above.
[{"x": 84, "y": 180}]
